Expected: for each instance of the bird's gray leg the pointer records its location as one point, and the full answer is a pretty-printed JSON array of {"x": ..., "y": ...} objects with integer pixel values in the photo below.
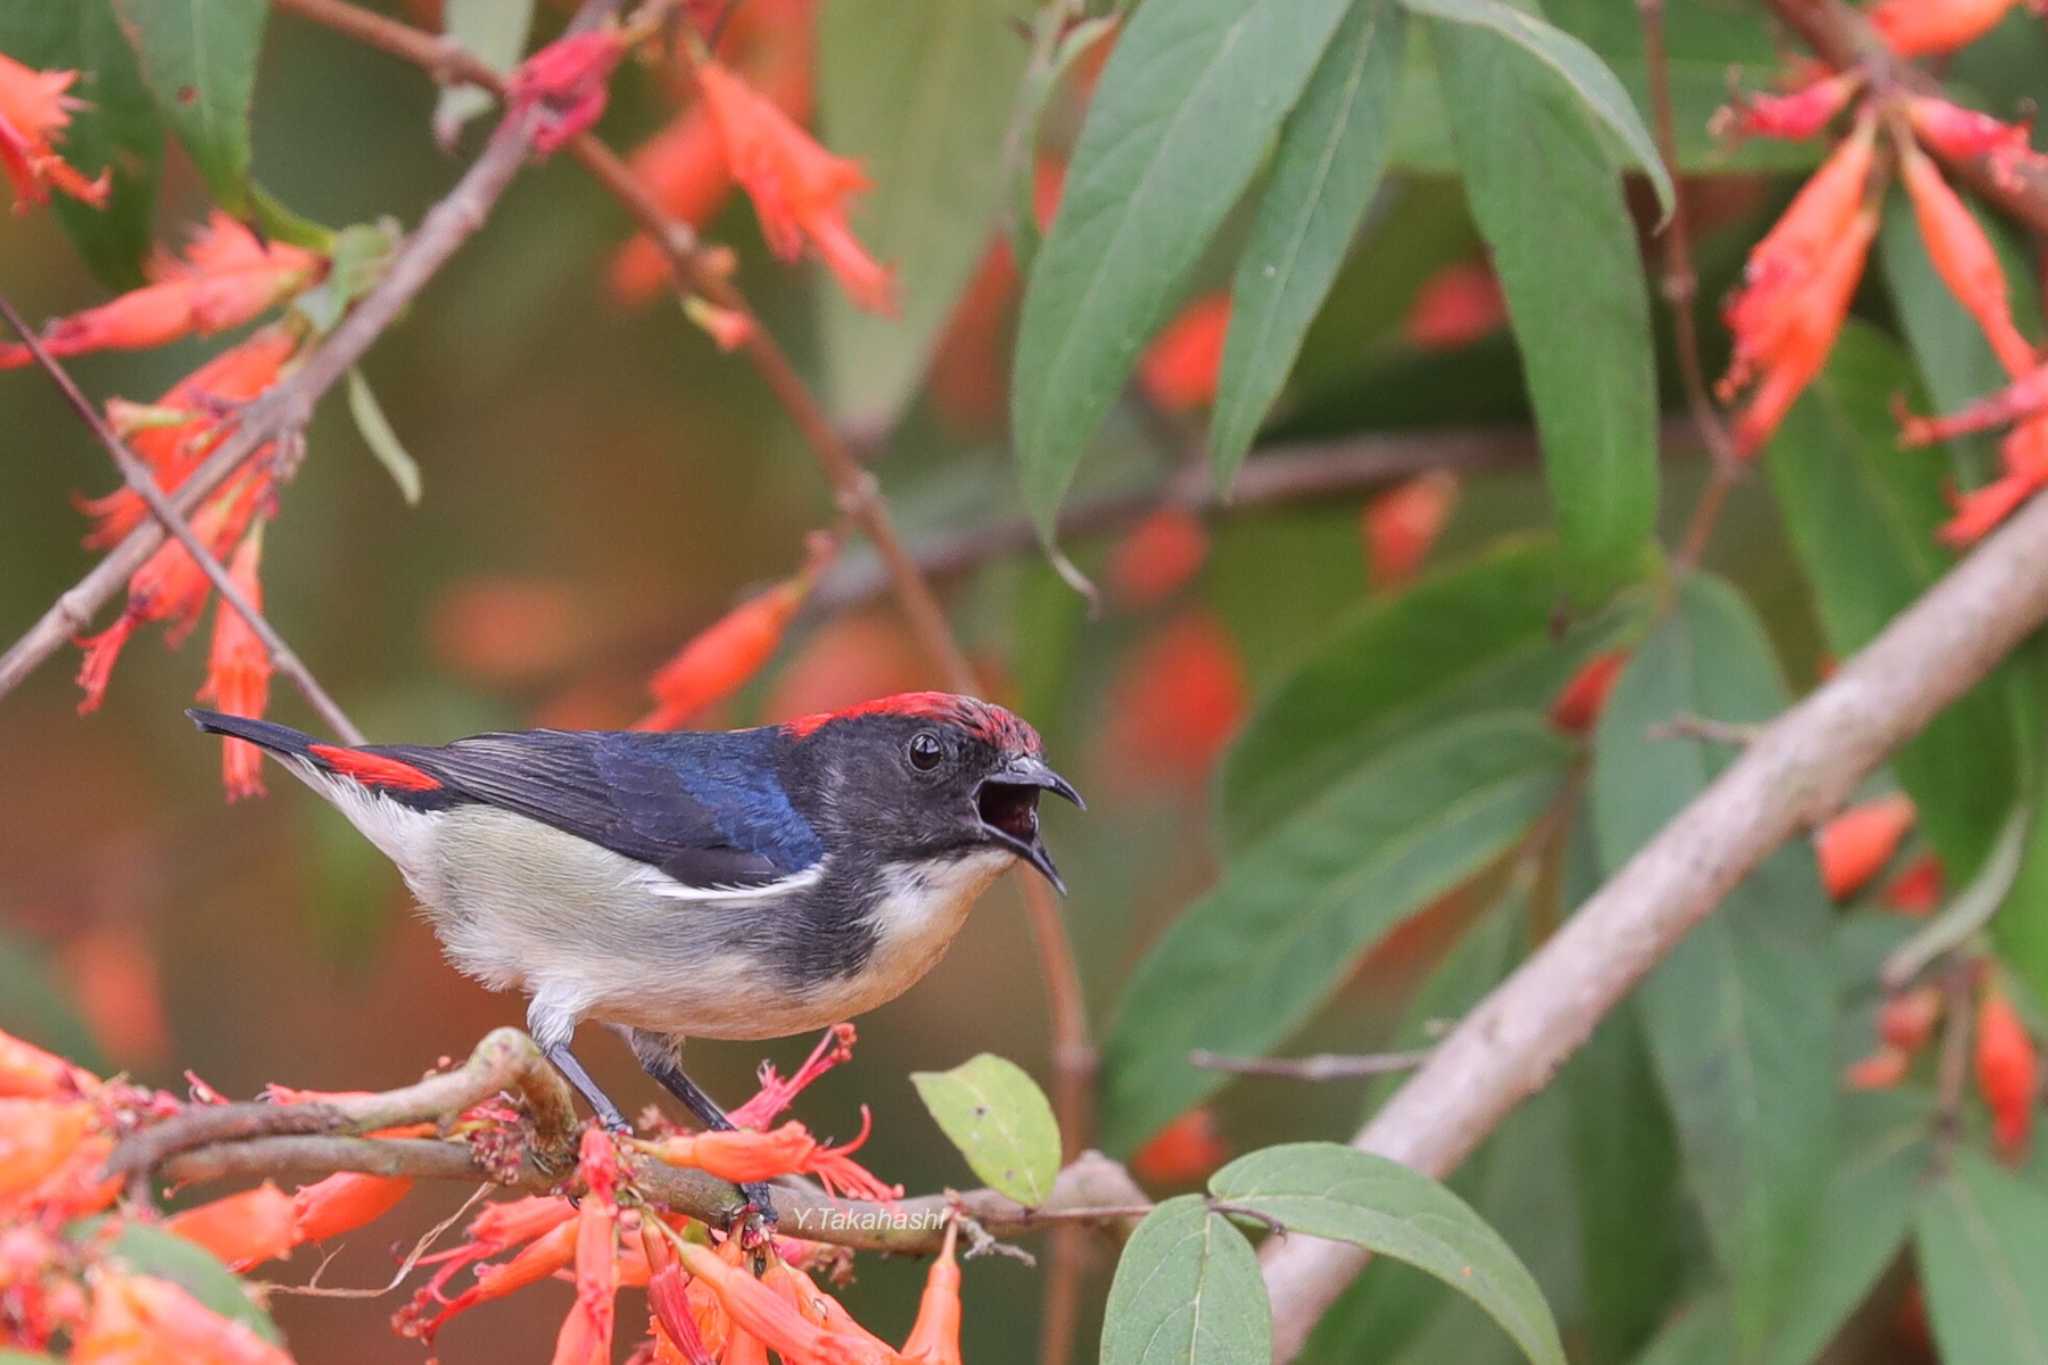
[
  {"x": 552, "y": 1029},
  {"x": 660, "y": 1056}
]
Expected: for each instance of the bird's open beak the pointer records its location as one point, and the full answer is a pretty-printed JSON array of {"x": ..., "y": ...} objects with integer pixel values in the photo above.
[{"x": 1007, "y": 802}]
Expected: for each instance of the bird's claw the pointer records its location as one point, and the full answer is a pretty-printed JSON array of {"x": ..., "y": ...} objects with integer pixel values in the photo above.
[{"x": 756, "y": 1218}]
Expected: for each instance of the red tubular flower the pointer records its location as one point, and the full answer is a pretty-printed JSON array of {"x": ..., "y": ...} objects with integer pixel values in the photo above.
[
  {"x": 1179, "y": 369},
  {"x": 1458, "y": 305},
  {"x": 173, "y": 450},
  {"x": 170, "y": 586},
  {"x": 2026, "y": 397},
  {"x": 1157, "y": 557},
  {"x": 568, "y": 81},
  {"x": 28, "y": 1072},
  {"x": 1855, "y": 845},
  {"x": 552, "y": 1251},
  {"x": 1804, "y": 333},
  {"x": 140, "y": 1320},
  {"x": 1959, "y": 134},
  {"x": 1883, "y": 1069},
  {"x": 36, "y": 1138},
  {"x": 1906, "y": 1021},
  {"x": 586, "y": 1334},
  {"x": 1917, "y": 890},
  {"x": 777, "y": 1094},
  {"x": 344, "y": 1202},
  {"x": 1964, "y": 257},
  {"x": 788, "y": 1150},
  {"x": 500, "y": 1227},
  {"x": 238, "y": 671},
  {"x": 759, "y": 1312},
  {"x": 1177, "y": 700},
  {"x": 2024, "y": 454},
  {"x": 799, "y": 189},
  {"x": 226, "y": 278},
  {"x": 1402, "y": 524},
  {"x": 1578, "y": 704},
  {"x": 1801, "y": 114},
  {"x": 1184, "y": 1152},
  {"x": 935, "y": 1336},
  {"x": 1915, "y": 28},
  {"x": 243, "y": 1229},
  {"x": 34, "y": 111},
  {"x": 2008, "y": 1073},
  {"x": 727, "y": 654}
]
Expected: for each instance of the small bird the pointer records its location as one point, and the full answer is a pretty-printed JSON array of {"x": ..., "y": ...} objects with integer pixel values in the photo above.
[{"x": 743, "y": 884}]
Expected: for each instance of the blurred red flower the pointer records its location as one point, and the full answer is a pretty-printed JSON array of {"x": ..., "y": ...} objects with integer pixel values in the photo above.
[
  {"x": 1854, "y": 846},
  {"x": 34, "y": 111},
  {"x": 2008, "y": 1072},
  {"x": 1401, "y": 525},
  {"x": 1176, "y": 701},
  {"x": 1184, "y": 1152},
  {"x": 1577, "y": 706},
  {"x": 1179, "y": 369},
  {"x": 1157, "y": 557},
  {"x": 1458, "y": 305}
]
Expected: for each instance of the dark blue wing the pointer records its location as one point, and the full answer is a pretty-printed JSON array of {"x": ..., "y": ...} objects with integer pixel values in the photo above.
[{"x": 707, "y": 809}]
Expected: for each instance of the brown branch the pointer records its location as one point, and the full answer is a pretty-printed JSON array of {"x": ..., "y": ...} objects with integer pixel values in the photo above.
[
  {"x": 1321, "y": 1066},
  {"x": 139, "y": 478},
  {"x": 281, "y": 414},
  {"x": 1680, "y": 286},
  {"x": 1842, "y": 36},
  {"x": 1800, "y": 768}
]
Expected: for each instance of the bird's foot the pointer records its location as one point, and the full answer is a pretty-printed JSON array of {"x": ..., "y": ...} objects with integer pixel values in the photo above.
[{"x": 756, "y": 1218}]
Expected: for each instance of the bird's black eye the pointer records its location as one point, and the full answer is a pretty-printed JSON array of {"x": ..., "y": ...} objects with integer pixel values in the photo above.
[{"x": 925, "y": 751}]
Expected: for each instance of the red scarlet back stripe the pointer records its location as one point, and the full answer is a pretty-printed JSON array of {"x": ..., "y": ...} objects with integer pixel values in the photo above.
[{"x": 374, "y": 770}]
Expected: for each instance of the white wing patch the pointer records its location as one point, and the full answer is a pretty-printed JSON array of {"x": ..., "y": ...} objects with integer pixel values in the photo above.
[{"x": 668, "y": 888}]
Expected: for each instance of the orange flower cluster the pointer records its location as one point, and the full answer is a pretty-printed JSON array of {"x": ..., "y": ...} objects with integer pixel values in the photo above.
[
  {"x": 34, "y": 111},
  {"x": 1854, "y": 846},
  {"x": 265, "y": 1224},
  {"x": 684, "y": 165},
  {"x": 722, "y": 658},
  {"x": 226, "y": 277},
  {"x": 1800, "y": 278},
  {"x": 743, "y": 1155}
]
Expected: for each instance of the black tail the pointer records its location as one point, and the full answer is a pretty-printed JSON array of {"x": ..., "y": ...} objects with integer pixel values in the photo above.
[{"x": 281, "y": 739}]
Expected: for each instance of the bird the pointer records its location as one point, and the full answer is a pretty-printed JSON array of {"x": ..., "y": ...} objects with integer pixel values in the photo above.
[{"x": 741, "y": 884}]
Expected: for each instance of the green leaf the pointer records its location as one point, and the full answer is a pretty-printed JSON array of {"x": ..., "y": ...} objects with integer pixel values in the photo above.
[
  {"x": 1187, "y": 1292},
  {"x": 1548, "y": 201},
  {"x": 1862, "y": 515},
  {"x": 356, "y": 258},
  {"x": 999, "y": 1119},
  {"x": 149, "y": 1249},
  {"x": 1326, "y": 1189},
  {"x": 1740, "y": 1017},
  {"x": 381, "y": 439},
  {"x": 494, "y": 32},
  {"x": 1295, "y": 911},
  {"x": 198, "y": 58},
  {"x": 1982, "y": 1241},
  {"x": 1074, "y": 42},
  {"x": 1699, "y": 1334},
  {"x": 1476, "y": 636},
  {"x": 1574, "y": 63},
  {"x": 920, "y": 94},
  {"x": 114, "y": 128},
  {"x": 1186, "y": 108},
  {"x": 1328, "y": 164},
  {"x": 1872, "y": 1187}
]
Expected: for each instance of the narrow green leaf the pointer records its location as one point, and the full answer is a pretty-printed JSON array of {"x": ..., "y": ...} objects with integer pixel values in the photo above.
[
  {"x": 198, "y": 58},
  {"x": 113, "y": 128},
  {"x": 494, "y": 32},
  {"x": 920, "y": 94},
  {"x": 1740, "y": 1017},
  {"x": 1296, "y": 910},
  {"x": 381, "y": 439},
  {"x": 1982, "y": 1241},
  {"x": 999, "y": 1119},
  {"x": 1186, "y": 109},
  {"x": 1548, "y": 201},
  {"x": 151, "y": 1250},
  {"x": 1872, "y": 1188},
  {"x": 1187, "y": 1292},
  {"x": 1862, "y": 514},
  {"x": 1326, "y": 1189},
  {"x": 1325, "y": 171},
  {"x": 1699, "y": 1334},
  {"x": 1074, "y": 42},
  {"x": 1576, "y": 64},
  {"x": 1478, "y": 635}
]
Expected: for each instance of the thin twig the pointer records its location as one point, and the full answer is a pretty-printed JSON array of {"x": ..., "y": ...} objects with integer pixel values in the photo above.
[
  {"x": 1798, "y": 770},
  {"x": 1686, "y": 725},
  {"x": 1952, "y": 1075},
  {"x": 281, "y": 414},
  {"x": 139, "y": 478},
  {"x": 1321, "y": 1066}
]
